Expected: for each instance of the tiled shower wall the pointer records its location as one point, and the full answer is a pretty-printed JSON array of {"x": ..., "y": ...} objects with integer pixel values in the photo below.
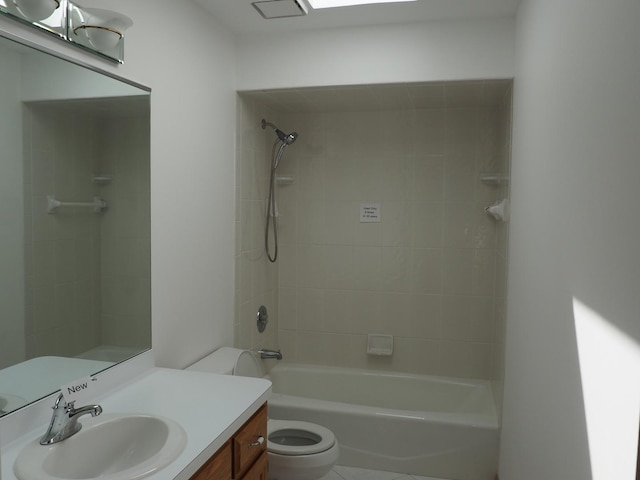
[
  {"x": 256, "y": 278},
  {"x": 12, "y": 341},
  {"x": 87, "y": 274},
  {"x": 126, "y": 232},
  {"x": 431, "y": 272},
  {"x": 502, "y": 248}
]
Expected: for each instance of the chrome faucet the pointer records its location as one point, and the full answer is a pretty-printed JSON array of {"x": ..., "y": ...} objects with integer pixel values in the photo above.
[
  {"x": 265, "y": 353},
  {"x": 64, "y": 422}
]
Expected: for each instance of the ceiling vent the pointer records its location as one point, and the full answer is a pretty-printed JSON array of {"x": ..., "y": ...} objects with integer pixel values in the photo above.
[{"x": 280, "y": 8}]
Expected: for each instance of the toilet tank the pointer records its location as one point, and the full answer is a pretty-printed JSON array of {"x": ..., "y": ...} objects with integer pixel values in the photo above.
[{"x": 229, "y": 361}]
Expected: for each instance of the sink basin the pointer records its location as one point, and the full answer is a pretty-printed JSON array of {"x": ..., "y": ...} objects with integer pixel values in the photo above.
[
  {"x": 109, "y": 447},
  {"x": 9, "y": 402}
]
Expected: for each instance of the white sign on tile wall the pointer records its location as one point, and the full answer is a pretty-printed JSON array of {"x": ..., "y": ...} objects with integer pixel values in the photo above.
[{"x": 369, "y": 212}]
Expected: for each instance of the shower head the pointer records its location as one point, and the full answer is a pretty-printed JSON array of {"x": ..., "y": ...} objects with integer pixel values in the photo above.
[
  {"x": 286, "y": 138},
  {"x": 289, "y": 138}
]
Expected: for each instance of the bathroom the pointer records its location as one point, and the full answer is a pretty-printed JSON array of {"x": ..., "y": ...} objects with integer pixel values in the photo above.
[{"x": 563, "y": 193}]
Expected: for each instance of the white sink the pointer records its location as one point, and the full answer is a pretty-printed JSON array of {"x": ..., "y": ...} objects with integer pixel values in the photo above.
[
  {"x": 109, "y": 447},
  {"x": 10, "y": 402}
]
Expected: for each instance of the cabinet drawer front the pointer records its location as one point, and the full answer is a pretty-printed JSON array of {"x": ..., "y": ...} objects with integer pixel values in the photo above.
[
  {"x": 249, "y": 442},
  {"x": 217, "y": 467}
]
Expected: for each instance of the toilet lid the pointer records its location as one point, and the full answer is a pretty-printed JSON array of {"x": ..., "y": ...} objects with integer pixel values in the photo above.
[{"x": 288, "y": 437}]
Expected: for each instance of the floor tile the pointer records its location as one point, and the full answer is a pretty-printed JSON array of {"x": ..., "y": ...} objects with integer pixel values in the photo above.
[
  {"x": 341, "y": 472},
  {"x": 332, "y": 475},
  {"x": 416, "y": 477},
  {"x": 353, "y": 473}
]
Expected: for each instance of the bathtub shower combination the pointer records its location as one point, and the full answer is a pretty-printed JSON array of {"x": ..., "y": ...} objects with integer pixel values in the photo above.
[{"x": 413, "y": 424}]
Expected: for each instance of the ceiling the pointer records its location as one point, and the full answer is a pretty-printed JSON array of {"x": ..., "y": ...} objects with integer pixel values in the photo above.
[{"x": 241, "y": 18}]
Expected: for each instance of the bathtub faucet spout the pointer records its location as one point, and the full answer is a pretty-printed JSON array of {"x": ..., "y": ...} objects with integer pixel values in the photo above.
[{"x": 265, "y": 354}]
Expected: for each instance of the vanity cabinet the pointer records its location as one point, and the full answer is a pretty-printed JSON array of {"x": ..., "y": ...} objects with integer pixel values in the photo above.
[
  {"x": 243, "y": 456},
  {"x": 217, "y": 467}
]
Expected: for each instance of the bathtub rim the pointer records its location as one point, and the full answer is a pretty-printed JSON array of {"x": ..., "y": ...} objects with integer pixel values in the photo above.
[{"x": 488, "y": 420}]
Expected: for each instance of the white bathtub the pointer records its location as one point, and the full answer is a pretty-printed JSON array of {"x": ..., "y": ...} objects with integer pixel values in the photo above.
[{"x": 413, "y": 424}]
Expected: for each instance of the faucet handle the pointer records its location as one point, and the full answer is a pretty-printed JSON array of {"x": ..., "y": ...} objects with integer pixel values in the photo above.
[{"x": 61, "y": 403}]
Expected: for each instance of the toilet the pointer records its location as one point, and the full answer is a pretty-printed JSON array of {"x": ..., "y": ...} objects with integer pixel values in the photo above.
[{"x": 295, "y": 450}]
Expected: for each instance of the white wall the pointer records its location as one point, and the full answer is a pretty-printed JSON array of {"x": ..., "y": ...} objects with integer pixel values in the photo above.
[
  {"x": 574, "y": 232},
  {"x": 461, "y": 50},
  {"x": 192, "y": 74}
]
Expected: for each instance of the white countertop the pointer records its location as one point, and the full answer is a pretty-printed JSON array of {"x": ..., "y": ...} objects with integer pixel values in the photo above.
[{"x": 210, "y": 407}]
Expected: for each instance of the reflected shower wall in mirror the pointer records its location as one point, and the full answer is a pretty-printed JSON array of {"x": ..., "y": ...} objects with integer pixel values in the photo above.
[{"x": 75, "y": 284}]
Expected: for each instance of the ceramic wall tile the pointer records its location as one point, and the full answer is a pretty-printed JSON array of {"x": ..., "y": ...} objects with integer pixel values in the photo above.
[{"x": 429, "y": 270}]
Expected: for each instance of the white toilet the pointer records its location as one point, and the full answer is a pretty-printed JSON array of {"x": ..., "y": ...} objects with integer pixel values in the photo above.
[{"x": 296, "y": 450}]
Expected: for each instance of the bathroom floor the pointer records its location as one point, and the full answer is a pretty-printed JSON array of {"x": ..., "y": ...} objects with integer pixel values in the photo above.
[{"x": 340, "y": 472}]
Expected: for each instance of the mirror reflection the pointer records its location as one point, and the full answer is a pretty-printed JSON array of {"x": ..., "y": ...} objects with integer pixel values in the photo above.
[{"x": 75, "y": 288}]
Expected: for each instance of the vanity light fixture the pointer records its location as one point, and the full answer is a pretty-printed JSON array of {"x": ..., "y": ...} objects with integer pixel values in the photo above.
[
  {"x": 318, "y": 4},
  {"x": 95, "y": 30},
  {"x": 103, "y": 28},
  {"x": 36, "y": 10}
]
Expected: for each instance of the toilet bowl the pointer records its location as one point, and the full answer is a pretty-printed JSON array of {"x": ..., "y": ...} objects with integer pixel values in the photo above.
[
  {"x": 300, "y": 450},
  {"x": 295, "y": 450}
]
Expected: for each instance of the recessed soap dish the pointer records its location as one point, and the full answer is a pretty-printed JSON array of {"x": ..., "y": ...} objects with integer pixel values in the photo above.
[
  {"x": 102, "y": 179},
  {"x": 381, "y": 345}
]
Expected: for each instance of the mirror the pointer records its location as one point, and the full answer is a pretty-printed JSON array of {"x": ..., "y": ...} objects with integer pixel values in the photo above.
[{"x": 75, "y": 282}]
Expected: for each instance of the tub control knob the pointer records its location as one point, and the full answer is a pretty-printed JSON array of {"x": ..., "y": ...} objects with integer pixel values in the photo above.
[
  {"x": 258, "y": 442},
  {"x": 262, "y": 318}
]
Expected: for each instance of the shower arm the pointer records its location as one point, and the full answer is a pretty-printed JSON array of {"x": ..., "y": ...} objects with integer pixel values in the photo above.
[
  {"x": 266, "y": 124},
  {"x": 287, "y": 138}
]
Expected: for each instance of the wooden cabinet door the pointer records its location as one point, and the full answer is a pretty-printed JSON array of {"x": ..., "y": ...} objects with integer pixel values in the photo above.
[
  {"x": 259, "y": 469},
  {"x": 250, "y": 442},
  {"x": 244, "y": 457},
  {"x": 218, "y": 467}
]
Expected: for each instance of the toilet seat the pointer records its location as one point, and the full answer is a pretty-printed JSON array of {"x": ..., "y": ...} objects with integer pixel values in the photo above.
[{"x": 298, "y": 438}]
